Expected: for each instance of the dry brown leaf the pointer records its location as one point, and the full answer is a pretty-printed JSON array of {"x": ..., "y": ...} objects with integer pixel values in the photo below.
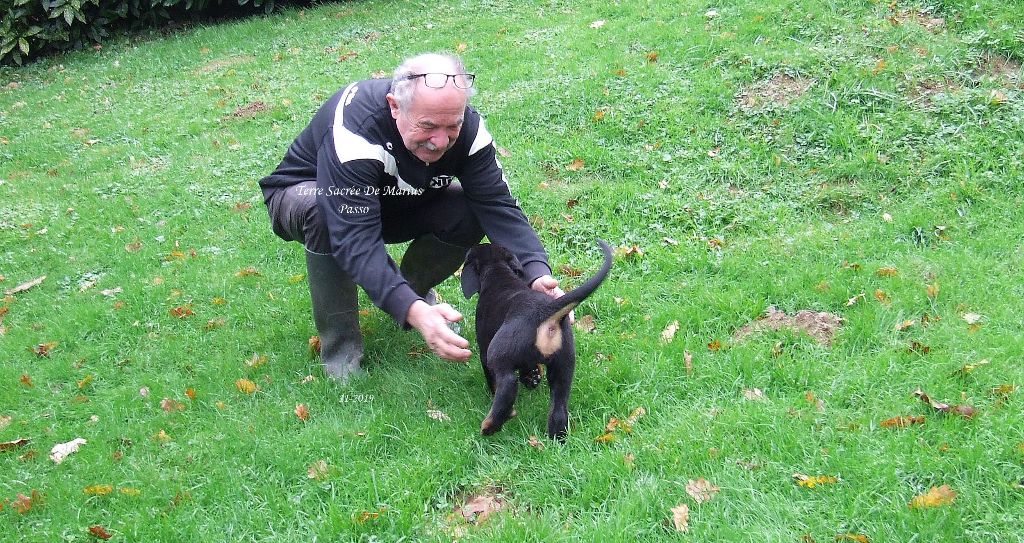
[
  {"x": 882, "y": 297},
  {"x": 246, "y": 386},
  {"x": 248, "y": 271},
  {"x": 478, "y": 508},
  {"x": 715, "y": 346},
  {"x": 688, "y": 362},
  {"x": 605, "y": 438},
  {"x": 965, "y": 411},
  {"x": 701, "y": 490},
  {"x": 302, "y": 412},
  {"x": 586, "y": 324},
  {"x": 536, "y": 443},
  {"x": 856, "y": 538},
  {"x": 968, "y": 368},
  {"x": 16, "y": 444},
  {"x": 902, "y": 422},
  {"x": 25, "y": 286},
  {"x": 681, "y": 517},
  {"x": 43, "y": 349},
  {"x": 99, "y": 532},
  {"x": 901, "y": 326},
  {"x": 652, "y": 57},
  {"x": 318, "y": 470},
  {"x": 170, "y": 406},
  {"x": 191, "y": 393},
  {"x": 23, "y": 504},
  {"x": 576, "y": 165},
  {"x": 182, "y": 312},
  {"x": 854, "y": 300},
  {"x": 161, "y": 437},
  {"x": 935, "y": 497}
]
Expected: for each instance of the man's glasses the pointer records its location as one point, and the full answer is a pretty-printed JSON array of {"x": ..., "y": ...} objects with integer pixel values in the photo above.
[{"x": 439, "y": 80}]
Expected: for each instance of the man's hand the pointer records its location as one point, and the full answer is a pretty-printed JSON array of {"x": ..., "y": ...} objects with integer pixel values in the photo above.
[
  {"x": 549, "y": 285},
  {"x": 432, "y": 323}
]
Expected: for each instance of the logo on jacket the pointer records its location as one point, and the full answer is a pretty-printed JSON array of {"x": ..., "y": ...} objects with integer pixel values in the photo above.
[{"x": 440, "y": 181}]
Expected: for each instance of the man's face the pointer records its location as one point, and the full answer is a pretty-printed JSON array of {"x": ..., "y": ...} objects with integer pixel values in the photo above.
[{"x": 432, "y": 122}]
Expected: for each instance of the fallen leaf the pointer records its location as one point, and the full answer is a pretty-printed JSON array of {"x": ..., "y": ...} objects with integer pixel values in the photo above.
[
  {"x": 26, "y": 380},
  {"x": 182, "y": 312},
  {"x": 23, "y": 504},
  {"x": 43, "y": 349},
  {"x": 169, "y": 405},
  {"x": 932, "y": 290},
  {"x": 25, "y": 286},
  {"x": 857, "y": 538},
  {"x": 630, "y": 252},
  {"x": 902, "y": 422},
  {"x": 968, "y": 368},
  {"x": 191, "y": 393},
  {"x": 901, "y": 326},
  {"x": 314, "y": 345},
  {"x": 5, "y": 421},
  {"x": 669, "y": 333},
  {"x": 576, "y": 165},
  {"x": 246, "y": 386},
  {"x": 605, "y": 438},
  {"x": 1004, "y": 390},
  {"x": 586, "y": 324},
  {"x": 61, "y": 451},
  {"x": 688, "y": 362},
  {"x": 754, "y": 395},
  {"x": 256, "y": 361},
  {"x": 973, "y": 318},
  {"x": 99, "y": 532},
  {"x": 98, "y": 490},
  {"x": 597, "y": 24},
  {"x": 129, "y": 491},
  {"x": 248, "y": 271},
  {"x": 635, "y": 416},
  {"x": 681, "y": 517},
  {"x": 318, "y": 470},
  {"x": 701, "y": 490},
  {"x": 162, "y": 437},
  {"x": 882, "y": 297},
  {"x": 213, "y": 324},
  {"x": 854, "y": 300},
  {"x": 16, "y": 444},
  {"x": 964, "y": 411},
  {"x": 437, "y": 414},
  {"x": 536, "y": 443},
  {"x": 887, "y": 271},
  {"x": 85, "y": 382},
  {"x": 652, "y": 57},
  {"x": 807, "y": 481},
  {"x": 481, "y": 506},
  {"x": 302, "y": 412},
  {"x": 715, "y": 346},
  {"x": 935, "y": 497}
]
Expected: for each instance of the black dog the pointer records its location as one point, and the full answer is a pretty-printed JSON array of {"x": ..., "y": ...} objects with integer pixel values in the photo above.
[{"x": 517, "y": 328}]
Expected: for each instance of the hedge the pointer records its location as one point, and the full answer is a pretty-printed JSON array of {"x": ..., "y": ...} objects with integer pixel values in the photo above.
[{"x": 31, "y": 28}]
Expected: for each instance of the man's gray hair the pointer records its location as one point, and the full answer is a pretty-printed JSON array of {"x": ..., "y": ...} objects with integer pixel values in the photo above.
[{"x": 403, "y": 89}]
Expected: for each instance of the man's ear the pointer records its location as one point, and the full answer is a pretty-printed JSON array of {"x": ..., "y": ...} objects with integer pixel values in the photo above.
[
  {"x": 470, "y": 280},
  {"x": 393, "y": 104}
]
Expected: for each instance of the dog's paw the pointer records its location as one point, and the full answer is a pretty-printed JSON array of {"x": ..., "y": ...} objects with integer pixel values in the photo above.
[{"x": 531, "y": 378}]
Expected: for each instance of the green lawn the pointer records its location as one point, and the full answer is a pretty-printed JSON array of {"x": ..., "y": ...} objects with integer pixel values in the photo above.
[{"x": 860, "y": 159}]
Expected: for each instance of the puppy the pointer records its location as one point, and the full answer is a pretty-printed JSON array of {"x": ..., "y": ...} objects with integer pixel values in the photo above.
[{"x": 517, "y": 328}]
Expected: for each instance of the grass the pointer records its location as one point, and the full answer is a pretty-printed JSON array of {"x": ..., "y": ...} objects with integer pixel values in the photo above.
[{"x": 763, "y": 154}]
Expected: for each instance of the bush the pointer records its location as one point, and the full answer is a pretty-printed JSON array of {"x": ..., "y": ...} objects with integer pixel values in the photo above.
[{"x": 31, "y": 28}]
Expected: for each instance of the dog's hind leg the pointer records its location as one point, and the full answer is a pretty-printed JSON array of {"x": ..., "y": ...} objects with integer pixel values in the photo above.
[
  {"x": 560, "y": 382},
  {"x": 506, "y": 388}
]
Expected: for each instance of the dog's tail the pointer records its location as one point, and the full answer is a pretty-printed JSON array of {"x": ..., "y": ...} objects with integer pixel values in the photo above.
[{"x": 560, "y": 307}]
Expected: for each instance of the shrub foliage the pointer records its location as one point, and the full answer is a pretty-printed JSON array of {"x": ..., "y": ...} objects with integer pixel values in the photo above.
[{"x": 30, "y": 28}]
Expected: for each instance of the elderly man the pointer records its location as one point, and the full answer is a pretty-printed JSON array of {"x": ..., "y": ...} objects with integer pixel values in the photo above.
[{"x": 378, "y": 164}]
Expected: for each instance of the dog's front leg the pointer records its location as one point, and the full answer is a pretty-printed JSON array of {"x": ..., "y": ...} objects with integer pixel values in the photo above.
[
  {"x": 560, "y": 382},
  {"x": 506, "y": 386}
]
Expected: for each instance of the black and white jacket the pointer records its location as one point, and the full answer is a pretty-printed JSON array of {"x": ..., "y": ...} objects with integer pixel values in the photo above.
[{"x": 353, "y": 150}]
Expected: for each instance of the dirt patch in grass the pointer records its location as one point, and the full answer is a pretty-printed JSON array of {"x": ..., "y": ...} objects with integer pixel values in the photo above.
[
  {"x": 925, "y": 19},
  {"x": 821, "y": 326},
  {"x": 1000, "y": 68},
  {"x": 776, "y": 92},
  {"x": 222, "y": 63},
  {"x": 251, "y": 110},
  {"x": 924, "y": 93}
]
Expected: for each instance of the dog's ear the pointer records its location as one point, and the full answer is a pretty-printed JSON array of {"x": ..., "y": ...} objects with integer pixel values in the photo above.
[
  {"x": 470, "y": 279},
  {"x": 514, "y": 265}
]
